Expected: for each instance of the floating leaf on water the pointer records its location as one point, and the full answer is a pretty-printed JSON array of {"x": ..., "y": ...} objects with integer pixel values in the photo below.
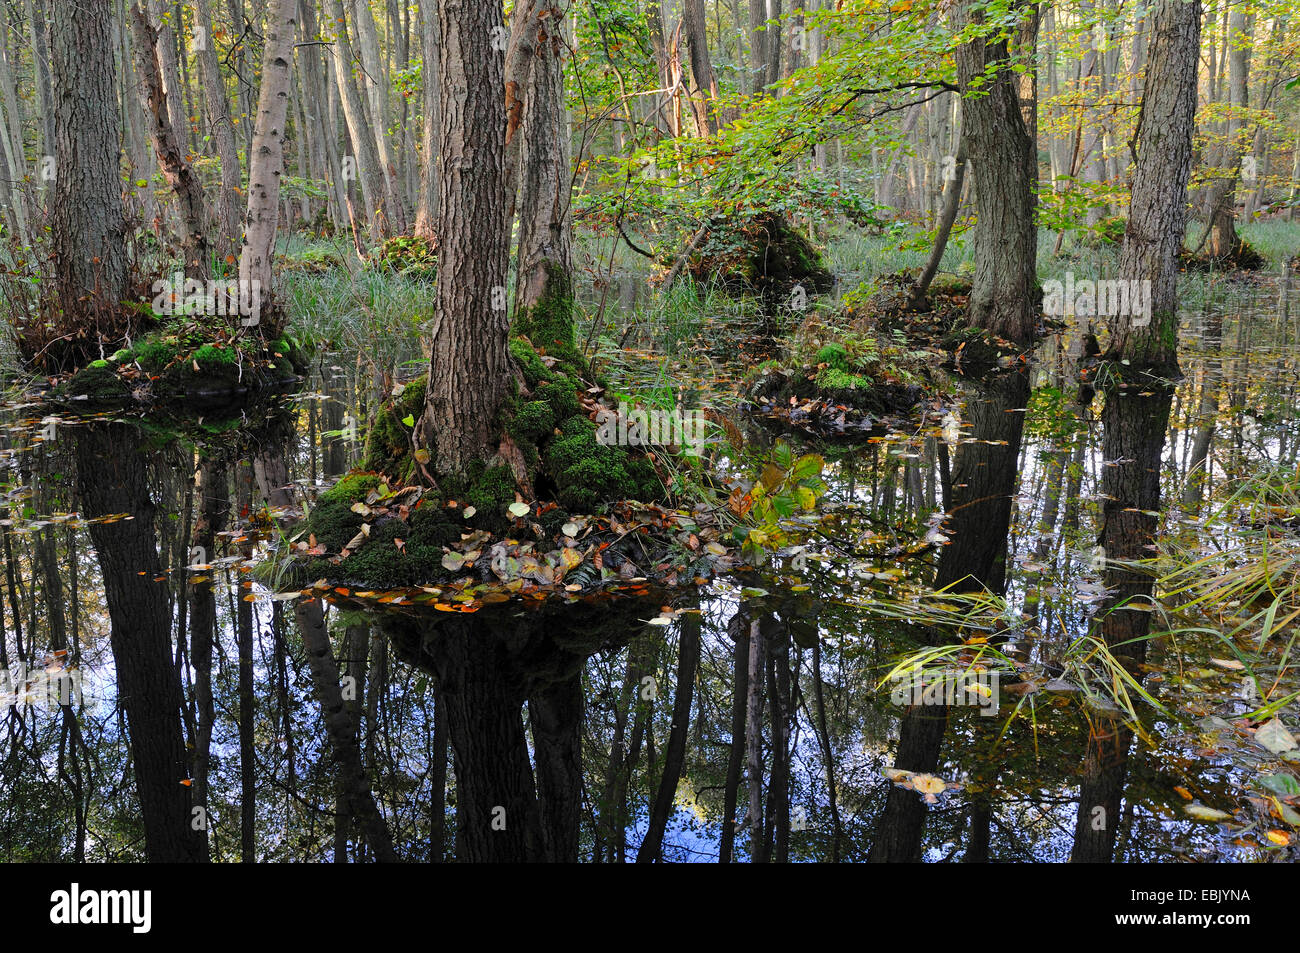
[
  {"x": 1202, "y": 813},
  {"x": 570, "y": 529},
  {"x": 1284, "y": 785},
  {"x": 453, "y": 561},
  {"x": 1280, "y": 838},
  {"x": 1274, "y": 736},
  {"x": 1231, "y": 665},
  {"x": 518, "y": 509}
]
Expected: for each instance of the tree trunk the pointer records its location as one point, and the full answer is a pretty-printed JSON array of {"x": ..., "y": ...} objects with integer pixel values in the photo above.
[
  {"x": 470, "y": 365},
  {"x": 544, "y": 286},
  {"x": 1153, "y": 238},
  {"x": 266, "y": 161},
  {"x": 87, "y": 229},
  {"x": 1003, "y": 297},
  {"x": 426, "y": 210},
  {"x": 167, "y": 144},
  {"x": 222, "y": 131}
]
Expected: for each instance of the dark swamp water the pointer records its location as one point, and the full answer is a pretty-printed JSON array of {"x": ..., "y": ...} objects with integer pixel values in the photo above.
[{"x": 759, "y": 722}]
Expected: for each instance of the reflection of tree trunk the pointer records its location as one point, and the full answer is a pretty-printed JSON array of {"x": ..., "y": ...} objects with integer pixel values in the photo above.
[
  {"x": 1133, "y": 439},
  {"x": 983, "y": 484},
  {"x": 247, "y": 718},
  {"x": 981, "y": 820},
  {"x": 555, "y": 711},
  {"x": 438, "y": 786},
  {"x": 828, "y": 752},
  {"x": 738, "y": 629},
  {"x": 351, "y": 777},
  {"x": 611, "y": 814},
  {"x": 754, "y": 741},
  {"x": 214, "y": 507},
  {"x": 1208, "y": 411},
  {"x": 778, "y": 827},
  {"x": 978, "y": 524},
  {"x": 113, "y": 477},
  {"x": 495, "y": 802},
  {"x": 688, "y": 660}
]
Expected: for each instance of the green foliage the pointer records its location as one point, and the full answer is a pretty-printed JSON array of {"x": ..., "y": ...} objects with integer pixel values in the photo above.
[{"x": 786, "y": 485}]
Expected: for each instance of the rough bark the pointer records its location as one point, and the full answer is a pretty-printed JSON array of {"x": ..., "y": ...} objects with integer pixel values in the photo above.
[
  {"x": 1153, "y": 237},
  {"x": 222, "y": 131},
  {"x": 470, "y": 365},
  {"x": 1003, "y": 297},
  {"x": 426, "y": 210},
  {"x": 87, "y": 230}
]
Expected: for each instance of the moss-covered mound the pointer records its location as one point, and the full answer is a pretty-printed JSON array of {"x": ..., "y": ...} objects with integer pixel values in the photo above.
[
  {"x": 762, "y": 254},
  {"x": 406, "y": 255},
  {"x": 858, "y": 381},
  {"x": 312, "y": 261},
  {"x": 185, "y": 365}
]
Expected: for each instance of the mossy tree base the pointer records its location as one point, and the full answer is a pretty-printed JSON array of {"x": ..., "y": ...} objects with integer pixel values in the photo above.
[{"x": 554, "y": 505}]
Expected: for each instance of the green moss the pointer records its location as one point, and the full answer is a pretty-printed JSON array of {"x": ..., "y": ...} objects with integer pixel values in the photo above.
[
  {"x": 532, "y": 421},
  {"x": 837, "y": 379},
  {"x": 210, "y": 356},
  {"x": 529, "y": 362},
  {"x": 99, "y": 381},
  {"x": 549, "y": 323},
  {"x": 587, "y": 474},
  {"x": 352, "y": 488},
  {"x": 153, "y": 354},
  {"x": 388, "y": 445},
  {"x": 561, "y": 393},
  {"x": 834, "y": 355},
  {"x": 489, "y": 490}
]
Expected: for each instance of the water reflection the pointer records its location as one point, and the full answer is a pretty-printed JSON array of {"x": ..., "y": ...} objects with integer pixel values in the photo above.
[{"x": 754, "y": 730}]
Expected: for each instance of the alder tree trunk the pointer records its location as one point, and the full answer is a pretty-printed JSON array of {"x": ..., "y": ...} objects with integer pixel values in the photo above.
[
  {"x": 1222, "y": 231},
  {"x": 470, "y": 366},
  {"x": 1004, "y": 295},
  {"x": 1153, "y": 237},
  {"x": 545, "y": 261},
  {"x": 426, "y": 209},
  {"x": 87, "y": 231},
  {"x": 222, "y": 131}
]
